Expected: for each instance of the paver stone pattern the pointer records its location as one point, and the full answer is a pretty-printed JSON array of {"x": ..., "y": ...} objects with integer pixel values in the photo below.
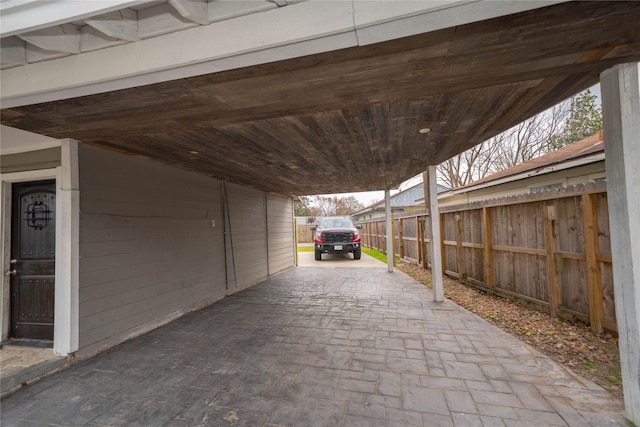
[{"x": 319, "y": 346}]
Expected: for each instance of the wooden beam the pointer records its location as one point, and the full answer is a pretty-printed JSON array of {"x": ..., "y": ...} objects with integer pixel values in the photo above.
[
  {"x": 553, "y": 278},
  {"x": 62, "y": 38},
  {"x": 13, "y": 51},
  {"x": 621, "y": 118},
  {"x": 436, "y": 239},
  {"x": 594, "y": 283},
  {"x": 521, "y": 250},
  {"x": 122, "y": 24},
  {"x": 425, "y": 188},
  {"x": 194, "y": 10},
  {"x": 488, "y": 251}
]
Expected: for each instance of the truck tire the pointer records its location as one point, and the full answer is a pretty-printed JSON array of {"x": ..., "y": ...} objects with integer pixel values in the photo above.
[
  {"x": 357, "y": 253},
  {"x": 318, "y": 255}
]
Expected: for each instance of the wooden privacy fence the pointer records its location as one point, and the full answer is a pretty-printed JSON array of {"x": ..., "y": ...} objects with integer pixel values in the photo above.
[
  {"x": 551, "y": 249},
  {"x": 305, "y": 235}
]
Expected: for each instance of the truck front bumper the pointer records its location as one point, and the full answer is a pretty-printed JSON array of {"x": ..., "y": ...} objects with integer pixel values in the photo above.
[{"x": 337, "y": 248}]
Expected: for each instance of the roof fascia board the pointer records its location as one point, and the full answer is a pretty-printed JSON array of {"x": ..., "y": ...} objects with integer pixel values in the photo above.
[
  {"x": 304, "y": 28},
  {"x": 378, "y": 21},
  {"x": 597, "y": 157},
  {"x": 18, "y": 17}
]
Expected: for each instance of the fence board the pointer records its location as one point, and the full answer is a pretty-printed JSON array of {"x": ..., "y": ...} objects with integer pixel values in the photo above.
[
  {"x": 594, "y": 283},
  {"x": 508, "y": 246}
]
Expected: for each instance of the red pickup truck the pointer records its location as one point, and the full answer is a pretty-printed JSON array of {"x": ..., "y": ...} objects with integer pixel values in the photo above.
[{"x": 333, "y": 235}]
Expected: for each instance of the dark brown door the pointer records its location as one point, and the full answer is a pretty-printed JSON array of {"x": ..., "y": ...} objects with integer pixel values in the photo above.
[{"x": 33, "y": 251}]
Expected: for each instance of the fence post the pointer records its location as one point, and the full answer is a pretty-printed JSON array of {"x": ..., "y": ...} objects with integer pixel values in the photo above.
[
  {"x": 419, "y": 239},
  {"x": 295, "y": 246},
  {"x": 459, "y": 247},
  {"x": 400, "y": 239},
  {"x": 442, "y": 251},
  {"x": 488, "y": 253},
  {"x": 590, "y": 226},
  {"x": 392, "y": 234},
  {"x": 553, "y": 279}
]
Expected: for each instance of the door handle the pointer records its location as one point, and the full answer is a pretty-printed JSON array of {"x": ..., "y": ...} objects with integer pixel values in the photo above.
[{"x": 12, "y": 272}]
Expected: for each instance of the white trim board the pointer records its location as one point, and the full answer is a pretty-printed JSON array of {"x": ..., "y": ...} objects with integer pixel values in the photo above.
[{"x": 65, "y": 339}]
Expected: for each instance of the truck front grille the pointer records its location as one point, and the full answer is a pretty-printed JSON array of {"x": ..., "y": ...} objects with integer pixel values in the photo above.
[{"x": 337, "y": 237}]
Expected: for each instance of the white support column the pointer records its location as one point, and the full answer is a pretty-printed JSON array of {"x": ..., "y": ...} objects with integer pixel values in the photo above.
[
  {"x": 434, "y": 222},
  {"x": 621, "y": 114},
  {"x": 66, "y": 328},
  {"x": 389, "y": 230}
]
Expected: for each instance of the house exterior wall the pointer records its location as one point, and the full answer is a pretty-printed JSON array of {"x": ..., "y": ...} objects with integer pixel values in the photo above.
[
  {"x": 572, "y": 176},
  {"x": 246, "y": 232},
  {"x": 152, "y": 243},
  {"x": 280, "y": 233}
]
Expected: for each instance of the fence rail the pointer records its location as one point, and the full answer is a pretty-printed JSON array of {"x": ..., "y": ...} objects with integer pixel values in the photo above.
[{"x": 551, "y": 249}]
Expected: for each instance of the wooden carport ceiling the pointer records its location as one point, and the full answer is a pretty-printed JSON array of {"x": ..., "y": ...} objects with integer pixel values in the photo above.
[{"x": 348, "y": 120}]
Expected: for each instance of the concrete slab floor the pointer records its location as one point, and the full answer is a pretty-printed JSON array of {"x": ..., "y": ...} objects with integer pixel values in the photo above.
[
  {"x": 318, "y": 346},
  {"x": 20, "y": 364}
]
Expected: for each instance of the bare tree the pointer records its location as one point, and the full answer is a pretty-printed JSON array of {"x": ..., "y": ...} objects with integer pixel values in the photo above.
[
  {"x": 525, "y": 141},
  {"x": 332, "y": 205},
  {"x": 467, "y": 166},
  {"x": 529, "y": 139}
]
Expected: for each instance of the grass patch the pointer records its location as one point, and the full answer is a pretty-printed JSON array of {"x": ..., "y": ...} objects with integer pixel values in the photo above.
[
  {"x": 302, "y": 248},
  {"x": 376, "y": 254}
]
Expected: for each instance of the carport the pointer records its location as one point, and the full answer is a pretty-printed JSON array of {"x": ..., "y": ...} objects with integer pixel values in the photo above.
[{"x": 323, "y": 97}]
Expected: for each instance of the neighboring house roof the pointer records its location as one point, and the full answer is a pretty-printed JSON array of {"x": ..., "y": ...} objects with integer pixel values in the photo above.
[
  {"x": 587, "y": 150},
  {"x": 404, "y": 199}
]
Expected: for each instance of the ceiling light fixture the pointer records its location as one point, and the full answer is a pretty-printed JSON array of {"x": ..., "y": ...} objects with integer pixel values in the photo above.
[{"x": 424, "y": 130}]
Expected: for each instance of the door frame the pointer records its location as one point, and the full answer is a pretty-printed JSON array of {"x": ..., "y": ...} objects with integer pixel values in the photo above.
[{"x": 66, "y": 306}]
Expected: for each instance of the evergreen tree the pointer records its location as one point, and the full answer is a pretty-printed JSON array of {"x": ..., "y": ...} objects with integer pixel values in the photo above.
[
  {"x": 302, "y": 207},
  {"x": 585, "y": 119}
]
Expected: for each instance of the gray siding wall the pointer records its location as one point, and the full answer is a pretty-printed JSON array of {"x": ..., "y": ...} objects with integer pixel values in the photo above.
[
  {"x": 280, "y": 233},
  {"x": 246, "y": 226},
  {"x": 148, "y": 250}
]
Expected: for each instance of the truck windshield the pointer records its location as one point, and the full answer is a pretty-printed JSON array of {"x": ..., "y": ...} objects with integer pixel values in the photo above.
[{"x": 342, "y": 223}]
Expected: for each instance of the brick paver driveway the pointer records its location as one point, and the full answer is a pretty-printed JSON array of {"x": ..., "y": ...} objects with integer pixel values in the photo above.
[{"x": 319, "y": 346}]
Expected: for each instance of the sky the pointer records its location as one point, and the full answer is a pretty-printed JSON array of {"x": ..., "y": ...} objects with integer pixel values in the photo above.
[{"x": 365, "y": 197}]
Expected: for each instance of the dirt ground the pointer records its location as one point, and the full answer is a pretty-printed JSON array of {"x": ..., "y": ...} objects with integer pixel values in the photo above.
[{"x": 572, "y": 344}]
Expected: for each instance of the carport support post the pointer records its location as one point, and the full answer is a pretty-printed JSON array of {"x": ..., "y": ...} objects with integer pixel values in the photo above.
[
  {"x": 434, "y": 223},
  {"x": 389, "y": 230},
  {"x": 621, "y": 116}
]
